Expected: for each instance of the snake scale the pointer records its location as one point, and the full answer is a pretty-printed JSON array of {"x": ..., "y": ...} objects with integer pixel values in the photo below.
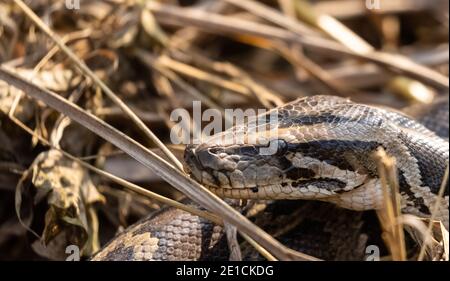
[{"x": 323, "y": 158}]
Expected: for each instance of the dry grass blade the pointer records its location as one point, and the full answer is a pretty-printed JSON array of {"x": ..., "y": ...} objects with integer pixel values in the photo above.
[
  {"x": 159, "y": 166},
  {"x": 202, "y": 75},
  {"x": 405, "y": 66},
  {"x": 89, "y": 73},
  {"x": 152, "y": 62},
  {"x": 273, "y": 15},
  {"x": 233, "y": 245},
  {"x": 45, "y": 59},
  {"x": 139, "y": 190},
  {"x": 390, "y": 213},
  {"x": 300, "y": 61},
  {"x": 258, "y": 247},
  {"x": 417, "y": 228},
  {"x": 434, "y": 211},
  {"x": 265, "y": 96},
  {"x": 335, "y": 29},
  {"x": 345, "y": 9},
  {"x": 214, "y": 23},
  {"x": 332, "y": 28},
  {"x": 126, "y": 184},
  {"x": 296, "y": 58}
]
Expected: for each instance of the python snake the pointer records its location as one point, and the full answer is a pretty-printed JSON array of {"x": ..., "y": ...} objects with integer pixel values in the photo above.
[{"x": 323, "y": 147}]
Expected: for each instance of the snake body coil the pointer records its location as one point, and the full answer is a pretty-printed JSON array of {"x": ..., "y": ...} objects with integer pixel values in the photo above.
[{"x": 323, "y": 147}]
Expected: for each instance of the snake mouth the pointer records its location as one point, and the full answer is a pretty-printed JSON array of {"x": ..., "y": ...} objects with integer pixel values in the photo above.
[
  {"x": 313, "y": 189},
  {"x": 281, "y": 188}
]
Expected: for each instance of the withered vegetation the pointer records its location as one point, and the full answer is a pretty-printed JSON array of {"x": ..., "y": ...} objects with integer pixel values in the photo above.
[{"x": 132, "y": 62}]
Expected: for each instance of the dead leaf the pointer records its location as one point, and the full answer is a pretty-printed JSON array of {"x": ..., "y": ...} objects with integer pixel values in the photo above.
[{"x": 70, "y": 195}]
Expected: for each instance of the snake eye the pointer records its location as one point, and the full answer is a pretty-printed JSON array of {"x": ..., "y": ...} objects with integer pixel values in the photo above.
[
  {"x": 282, "y": 146},
  {"x": 274, "y": 147}
]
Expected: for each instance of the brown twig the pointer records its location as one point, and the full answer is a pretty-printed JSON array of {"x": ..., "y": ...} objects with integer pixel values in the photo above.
[
  {"x": 89, "y": 73},
  {"x": 214, "y": 23},
  {"x": 433, "y": 213},
  {"x": 390, "y": 214}
]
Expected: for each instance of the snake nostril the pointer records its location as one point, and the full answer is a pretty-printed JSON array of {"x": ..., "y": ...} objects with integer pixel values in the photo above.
[{"x": 203, "y": 156}]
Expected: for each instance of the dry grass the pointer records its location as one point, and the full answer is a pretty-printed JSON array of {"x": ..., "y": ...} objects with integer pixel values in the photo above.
[
  {"x": 389, "y": 216},
  {"x": 432, "y": 236},
  {"x": 121, "y": 61}
]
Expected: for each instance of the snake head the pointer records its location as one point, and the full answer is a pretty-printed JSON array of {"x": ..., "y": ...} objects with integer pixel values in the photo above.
[
  {"x": 323, "y": 151},
  {"x": 322, "y": 170},
  {"x": 275, "y": 161},
  {"x": 236, "y": 166}
]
